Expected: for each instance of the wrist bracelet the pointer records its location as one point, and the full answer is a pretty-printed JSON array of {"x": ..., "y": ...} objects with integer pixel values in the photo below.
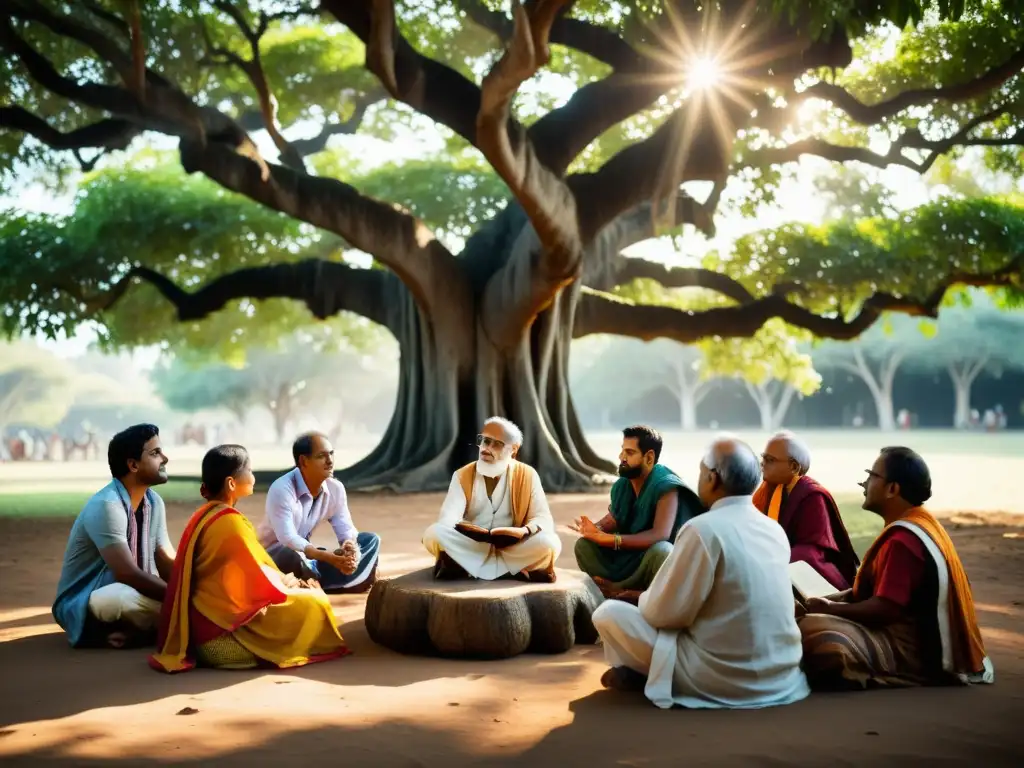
[{"x": 618, "y": 541}]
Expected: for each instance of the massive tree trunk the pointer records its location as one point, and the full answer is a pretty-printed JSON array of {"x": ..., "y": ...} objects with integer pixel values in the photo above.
[
  {"x": 453, "y": 376},
  {"x": 488, "y": 332}
]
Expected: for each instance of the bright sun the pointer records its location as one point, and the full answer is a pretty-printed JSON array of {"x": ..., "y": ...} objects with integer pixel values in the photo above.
[{"x": 703, "y": 73}]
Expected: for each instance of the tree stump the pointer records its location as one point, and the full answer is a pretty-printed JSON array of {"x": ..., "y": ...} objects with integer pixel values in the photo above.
[{"x": 481, "y": 619}]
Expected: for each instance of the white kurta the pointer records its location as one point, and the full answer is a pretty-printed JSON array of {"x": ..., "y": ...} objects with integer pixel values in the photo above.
[
  {"x": 716, "y": 628},
  {"x": 538, "y": 552}
]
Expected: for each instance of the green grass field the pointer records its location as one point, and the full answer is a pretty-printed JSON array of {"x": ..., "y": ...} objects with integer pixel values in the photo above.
[{"x": 70, "y": 503}]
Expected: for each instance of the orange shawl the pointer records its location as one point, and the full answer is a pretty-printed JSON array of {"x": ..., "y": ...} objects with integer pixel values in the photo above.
[
  {"x": 520, "y": 486},
  {"x": 968, "y": 650},
  {"x": 223, "y": 573}
]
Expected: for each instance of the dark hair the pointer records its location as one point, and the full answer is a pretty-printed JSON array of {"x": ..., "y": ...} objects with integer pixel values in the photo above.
[
  {"x": 646, "y": 437},
  {"x": 303, "y": 445},
  {"x": 907, "y": 468},
  {"x": 128, "y": 445},
  {"x": 220, "y": 463}
]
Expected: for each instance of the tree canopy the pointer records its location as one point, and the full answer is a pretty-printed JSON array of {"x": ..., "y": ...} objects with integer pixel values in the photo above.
[{"x": 593, "y": 116}]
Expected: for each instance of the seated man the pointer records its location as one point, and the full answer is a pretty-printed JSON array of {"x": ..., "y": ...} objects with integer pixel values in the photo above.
[
  {"x": 806, "y": 511},
  {"x": 119, "y": 556},
  {"x": 909, "y": 619},
  {"x": 716, "y": 628},
  {"x": 495, "y": 521},
  {"x": 649, "y": 504},
  {"x": 297, "y": 503}
]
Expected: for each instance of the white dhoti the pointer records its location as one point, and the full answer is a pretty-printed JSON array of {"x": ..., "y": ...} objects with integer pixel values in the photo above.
[
  {"x": 483, "y": 561},
  {"x": 119, "y": 602},
  {"x": 628, "y": 640}
]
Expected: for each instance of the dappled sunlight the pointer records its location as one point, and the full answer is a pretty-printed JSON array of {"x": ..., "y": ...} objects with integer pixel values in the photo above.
[
  {"x": 1004, "y": 639},
  {"x": 8, "y": 615},
  {"x": 475, "y": 709}
]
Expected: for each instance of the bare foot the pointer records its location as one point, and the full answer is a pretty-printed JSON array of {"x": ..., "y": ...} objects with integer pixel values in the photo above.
[
  {"x": 623, "y": 679},
  {"x": 117, "y": 639}
]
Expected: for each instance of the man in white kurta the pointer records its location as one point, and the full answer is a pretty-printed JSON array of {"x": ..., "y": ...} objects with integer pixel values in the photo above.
[
  {"x": 717, "y": 626},
  {"x": 501, "y": 490}
]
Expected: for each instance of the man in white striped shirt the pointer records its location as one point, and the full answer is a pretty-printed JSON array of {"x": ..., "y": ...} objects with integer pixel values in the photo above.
[{"x": 297, "y": 503}]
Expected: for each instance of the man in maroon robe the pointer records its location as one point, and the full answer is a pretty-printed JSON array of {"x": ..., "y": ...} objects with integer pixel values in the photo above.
[{"x": 806, "y": 511}]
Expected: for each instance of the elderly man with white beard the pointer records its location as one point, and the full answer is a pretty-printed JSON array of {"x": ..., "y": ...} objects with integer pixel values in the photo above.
[{"x": 495, "y": 520}]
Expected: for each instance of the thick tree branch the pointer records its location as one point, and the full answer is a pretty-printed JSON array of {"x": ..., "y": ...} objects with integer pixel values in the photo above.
[
  {"x": 166, "y": 109},
  {"x": 627, "y": 269},
  {"x": 431, "y": 88},
  {"x": 595, "y": 41},
  {"x": 105, "y": 134},
  {"x": 396, "y": 239},
  {"x": 257, "y": 76},
  {"x": 543, "y": 195},
  {"x": 870, "y": 114},
  {"x": 326, "y": 287},
  {"x": 684, "y": 148},
  {"x": 563, "y": 133},
  {"x": 602, "y": 313}
]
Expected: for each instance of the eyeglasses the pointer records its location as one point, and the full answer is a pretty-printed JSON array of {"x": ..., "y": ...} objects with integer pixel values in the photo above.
[{"x": 487, "y": 441}]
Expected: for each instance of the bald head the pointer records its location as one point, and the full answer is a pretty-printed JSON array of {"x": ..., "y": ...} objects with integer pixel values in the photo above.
[
  {"x": 785, "y": 456},
  {"x": 730, "y": 468}
]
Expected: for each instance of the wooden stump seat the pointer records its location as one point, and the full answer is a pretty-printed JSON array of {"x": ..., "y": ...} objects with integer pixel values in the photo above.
[{"x": 475, "y": 619}]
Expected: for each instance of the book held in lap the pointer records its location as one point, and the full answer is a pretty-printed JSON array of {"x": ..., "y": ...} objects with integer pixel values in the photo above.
[{"x": 497, "y": 537}]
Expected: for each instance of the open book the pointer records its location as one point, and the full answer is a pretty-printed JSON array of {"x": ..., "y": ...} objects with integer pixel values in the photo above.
[
  {"x": 807, "y": 582},
  {"x": 496, "y": 537}
]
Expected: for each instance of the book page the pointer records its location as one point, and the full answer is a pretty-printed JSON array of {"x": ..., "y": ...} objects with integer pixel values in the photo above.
[{"x": 808, "y": 582}]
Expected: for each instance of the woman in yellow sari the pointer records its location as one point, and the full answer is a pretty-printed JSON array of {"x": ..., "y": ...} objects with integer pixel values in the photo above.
[{"x": 227, "y": 605}]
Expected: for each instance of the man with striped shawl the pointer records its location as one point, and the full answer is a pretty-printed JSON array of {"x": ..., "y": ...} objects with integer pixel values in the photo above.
[
  {"x": 119, "y": 556},
  {"x": 909, "y": 618}
]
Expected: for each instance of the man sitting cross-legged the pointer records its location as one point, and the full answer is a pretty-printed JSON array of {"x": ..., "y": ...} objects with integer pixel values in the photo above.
[
  {"x": 495, "y": 521},
  {"x": 909, "y": 619},
  {"x": 717, "y": 627},
  {"x": 649, "y": 504},
  {"x": 297, "y": 503},
  {"x": 119, "y": 555},
  {"x": 806, "y": 511}
]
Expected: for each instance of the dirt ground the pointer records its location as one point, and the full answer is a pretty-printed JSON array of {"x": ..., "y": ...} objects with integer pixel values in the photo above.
[{"x": 378, "y": 708}]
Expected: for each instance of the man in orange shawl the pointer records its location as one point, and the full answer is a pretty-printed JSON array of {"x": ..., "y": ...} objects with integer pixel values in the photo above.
[
  {"x": 495, "y": 522},
  {"x": 806, "y": 511},
  {"x": 228, "y": 606},
  {"x": 909, "y": 619}
]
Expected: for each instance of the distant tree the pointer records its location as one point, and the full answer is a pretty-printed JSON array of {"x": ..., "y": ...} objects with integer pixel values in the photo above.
[
  {"x": 967, "y": 341},
  {"x": 307, "y": 370},
  {"x": 772, "y": 367},
  {"x": 36, "y": 387}
]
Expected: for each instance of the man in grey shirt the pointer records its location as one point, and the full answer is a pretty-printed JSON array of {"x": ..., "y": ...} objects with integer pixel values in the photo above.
[{"x": 119, "y": 555}]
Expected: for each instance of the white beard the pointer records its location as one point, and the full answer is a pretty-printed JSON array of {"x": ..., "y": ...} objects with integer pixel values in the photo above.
[{"x": 493, "y": 468}]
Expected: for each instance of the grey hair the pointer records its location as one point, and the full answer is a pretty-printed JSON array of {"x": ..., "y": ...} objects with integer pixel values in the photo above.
[
  {"x": 797, "y": 449},
  {"x": 513, "y": 434},
  {"x": 739, "y": 469}
]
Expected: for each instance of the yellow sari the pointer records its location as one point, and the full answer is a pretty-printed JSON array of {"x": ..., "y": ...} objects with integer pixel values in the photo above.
[{"x": 226, "y": 593}]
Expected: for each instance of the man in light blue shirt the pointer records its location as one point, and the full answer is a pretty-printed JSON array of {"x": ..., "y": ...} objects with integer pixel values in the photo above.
[
  {"x": 119, "y": 555},
  {"x": 297, "y": 503}
]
